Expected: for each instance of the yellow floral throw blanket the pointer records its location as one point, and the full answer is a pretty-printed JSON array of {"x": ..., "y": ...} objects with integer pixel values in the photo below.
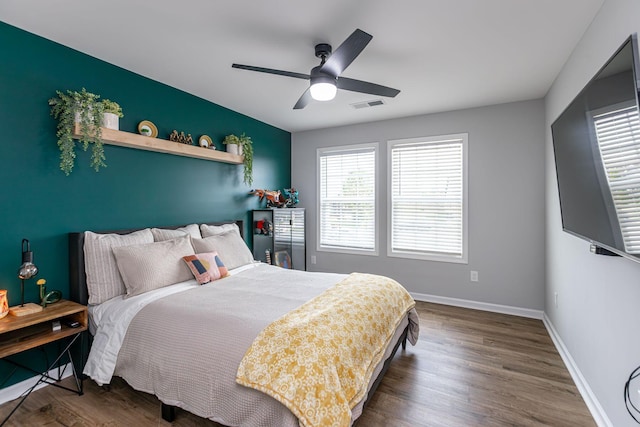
[{"x": 318, "y": 359}]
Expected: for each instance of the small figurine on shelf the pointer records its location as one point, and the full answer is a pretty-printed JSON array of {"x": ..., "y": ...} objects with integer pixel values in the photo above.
[{"x": 173, "y": 136}]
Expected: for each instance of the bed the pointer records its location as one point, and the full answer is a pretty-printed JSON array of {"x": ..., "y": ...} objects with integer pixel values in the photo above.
[{"x": 190, "y": 344}]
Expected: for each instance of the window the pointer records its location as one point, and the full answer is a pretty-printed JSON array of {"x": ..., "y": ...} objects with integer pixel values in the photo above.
[
  {"x": 618, "y": 134},
  {"x": 427, "y": 210},
  {"x": 347, "y": 199}
]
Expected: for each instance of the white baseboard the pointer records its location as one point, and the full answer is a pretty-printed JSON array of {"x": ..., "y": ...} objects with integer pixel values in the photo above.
[
  {"x": 598, "y": 413},
  {"x": 16, "y": 390},
  {"x": 485, "y": 306}
]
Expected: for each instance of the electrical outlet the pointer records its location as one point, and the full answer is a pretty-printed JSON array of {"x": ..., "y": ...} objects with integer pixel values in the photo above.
[
  {"x": 474, "y": 276},
  {"x": 555, "y": 297},
  {"x": 313, "y": 259}
]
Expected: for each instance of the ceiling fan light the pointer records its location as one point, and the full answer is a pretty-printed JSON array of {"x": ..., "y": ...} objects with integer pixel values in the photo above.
[{"x": 323, "y": 91}]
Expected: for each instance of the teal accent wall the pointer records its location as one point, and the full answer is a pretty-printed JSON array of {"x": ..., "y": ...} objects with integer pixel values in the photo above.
[{"x": 138, "y": 188}]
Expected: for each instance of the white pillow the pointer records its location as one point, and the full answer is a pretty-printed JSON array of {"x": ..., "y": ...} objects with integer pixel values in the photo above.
[
  {"x": 153, "y": 265},
  {"x": 233, "y": 251},
  {"x": 103, "y": 277},
  {"x": 160, "y": 234},
  {"x": 214, "y": 230}
]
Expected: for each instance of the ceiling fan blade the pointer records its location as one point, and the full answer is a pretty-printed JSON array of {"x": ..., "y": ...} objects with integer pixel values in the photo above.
[
  {"x": 272, "y": 71},
  {"x": 304, "y": 100},
  {"x": 365, "y": 87},
  {"x": 346, "y": 53}
]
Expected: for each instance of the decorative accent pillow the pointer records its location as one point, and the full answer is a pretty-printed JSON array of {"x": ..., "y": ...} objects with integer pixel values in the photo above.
[
  {"x": 229, "y": 245},
  {"x": 214, "y": 230},
  {"x": 161, "y": 234},
  {"x": 153, "y": 265},
  {"x": 206, "y": 267},
  {"x": 103, "y": 277}
]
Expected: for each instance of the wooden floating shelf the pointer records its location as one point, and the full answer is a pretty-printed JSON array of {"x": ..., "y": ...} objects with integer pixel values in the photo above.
[{"x": 142, "y": 142}]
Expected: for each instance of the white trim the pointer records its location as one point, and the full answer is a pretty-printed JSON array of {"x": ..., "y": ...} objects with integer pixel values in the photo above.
[
  {"x": 597, "y": 412},
  {"x": 463, "y": 258},
  {"x": 16, "y": 390},
  {"x": 476, "y": 305},
  {"x": 376, "y": 205}
]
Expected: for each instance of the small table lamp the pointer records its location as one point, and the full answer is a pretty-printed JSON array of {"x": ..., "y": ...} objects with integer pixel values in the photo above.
[{"x": 27, "y": 271}]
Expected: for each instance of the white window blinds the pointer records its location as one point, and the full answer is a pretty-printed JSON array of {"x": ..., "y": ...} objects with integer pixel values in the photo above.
[
  {"x": 427, "y": 211},
  {"x": 618, "y": 134},
  {"x": 347, "y": 199}
]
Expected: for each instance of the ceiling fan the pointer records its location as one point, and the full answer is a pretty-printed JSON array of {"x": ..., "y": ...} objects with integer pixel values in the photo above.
[{"x": 325, "y": 78}]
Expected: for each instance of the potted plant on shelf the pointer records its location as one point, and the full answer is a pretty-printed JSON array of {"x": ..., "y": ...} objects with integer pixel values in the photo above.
[
  {"x": 242, "y": 145},
  {"x": 111, "y": 115},
  {"x": 87, "y": 110}
]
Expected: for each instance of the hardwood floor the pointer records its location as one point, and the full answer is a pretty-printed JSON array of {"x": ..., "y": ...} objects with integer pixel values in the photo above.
[{"x": 469, "y": 368}]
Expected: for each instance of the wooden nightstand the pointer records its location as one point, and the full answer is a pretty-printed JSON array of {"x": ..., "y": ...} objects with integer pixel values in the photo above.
[{"x": 18, "y": 334}]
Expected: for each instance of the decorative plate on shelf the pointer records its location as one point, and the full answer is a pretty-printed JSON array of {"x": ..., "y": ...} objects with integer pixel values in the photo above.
[
  {"x": 206, "y": 142},
  {"x": 147, "y": 128}
]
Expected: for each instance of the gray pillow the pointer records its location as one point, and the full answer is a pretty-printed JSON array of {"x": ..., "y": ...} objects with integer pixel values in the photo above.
[
  {"x": 232, "y": 250},
  {"x": 103, "y": 277},
  {"x": 153, "y": 265},
  {"x": 160, "y": 234}
]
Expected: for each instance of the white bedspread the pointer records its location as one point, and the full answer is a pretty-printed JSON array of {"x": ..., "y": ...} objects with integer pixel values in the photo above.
[{"x": 110, "y": 321}]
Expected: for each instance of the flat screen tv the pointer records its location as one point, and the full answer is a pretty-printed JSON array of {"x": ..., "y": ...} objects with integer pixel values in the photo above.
[{"x": 596, "y": 142}]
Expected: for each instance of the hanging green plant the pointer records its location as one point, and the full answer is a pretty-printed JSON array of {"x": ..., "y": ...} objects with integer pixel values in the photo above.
[
  {"x": 86, "y": 109},
  {"x": 247, "y": 151}
]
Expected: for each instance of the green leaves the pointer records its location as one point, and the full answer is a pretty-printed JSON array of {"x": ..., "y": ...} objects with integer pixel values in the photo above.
[{"x": 86, "y": 109}]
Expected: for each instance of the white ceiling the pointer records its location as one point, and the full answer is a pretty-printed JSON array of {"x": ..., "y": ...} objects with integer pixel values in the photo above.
[{"x": 442, "y": 55}]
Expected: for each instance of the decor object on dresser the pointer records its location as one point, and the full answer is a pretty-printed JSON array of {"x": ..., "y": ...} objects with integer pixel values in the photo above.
[
  {"x": 274, "y": 198},
  {"x": 27, "y": 270},
  {"x": 291, "y": 197},
  {"x": 286, "y": 241},
  {"x": 86, "y": 109},
  {"x": 243, "y": 146}
]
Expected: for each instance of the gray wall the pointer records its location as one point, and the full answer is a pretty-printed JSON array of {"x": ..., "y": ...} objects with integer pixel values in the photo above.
[
  {"x": 597, "y": 316},
  {"x": 506, "y": 203}
]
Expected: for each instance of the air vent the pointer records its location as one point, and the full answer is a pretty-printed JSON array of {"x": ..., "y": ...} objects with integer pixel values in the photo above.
[{"x": 367, "y": 104}]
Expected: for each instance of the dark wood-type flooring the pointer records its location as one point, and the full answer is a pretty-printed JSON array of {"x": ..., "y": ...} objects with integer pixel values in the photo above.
[{"x": 469, "y": 368}]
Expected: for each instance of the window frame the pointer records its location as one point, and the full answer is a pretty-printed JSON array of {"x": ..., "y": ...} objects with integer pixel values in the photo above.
[
  {"x": 323, "y": 151},
  {"x": 464, "y": 257}
]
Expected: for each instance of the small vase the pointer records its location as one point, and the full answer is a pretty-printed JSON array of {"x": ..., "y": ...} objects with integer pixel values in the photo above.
[
  {"x": 110, "y": 121},
  {"x": 234, "y": 149}
]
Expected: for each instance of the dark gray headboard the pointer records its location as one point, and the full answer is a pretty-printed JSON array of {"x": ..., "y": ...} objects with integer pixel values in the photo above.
[{"x": 77, "y": 277}]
